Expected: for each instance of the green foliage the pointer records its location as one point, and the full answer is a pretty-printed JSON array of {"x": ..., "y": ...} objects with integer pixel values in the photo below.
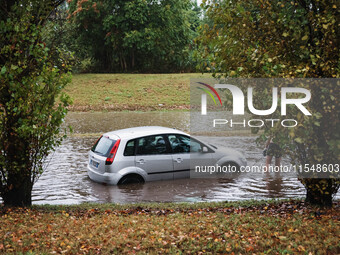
[
  {"x": 57, "y": 35},
  {"x": 32, "y": 104},
  {"x": 315, "y": 140},
  {"x": 135, "y": 35},
  {"x": 287, "y": 39},
  {"x": 271, "y": 38}
]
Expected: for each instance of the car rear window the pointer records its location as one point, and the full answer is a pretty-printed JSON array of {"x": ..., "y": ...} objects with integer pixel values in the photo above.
[{"x": 103, "y": 146}]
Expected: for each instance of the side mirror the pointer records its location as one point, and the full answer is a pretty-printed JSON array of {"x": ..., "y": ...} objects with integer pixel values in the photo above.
[{"x": 205, "y": 149}]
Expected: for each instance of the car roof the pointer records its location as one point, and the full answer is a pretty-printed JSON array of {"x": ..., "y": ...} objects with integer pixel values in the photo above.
[{"x": 135, "y": 132}]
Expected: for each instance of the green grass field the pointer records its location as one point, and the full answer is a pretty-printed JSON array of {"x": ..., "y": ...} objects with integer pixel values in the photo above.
[
  {"x": 260, "y": 227},
  {"x": 123, "y": 92}
]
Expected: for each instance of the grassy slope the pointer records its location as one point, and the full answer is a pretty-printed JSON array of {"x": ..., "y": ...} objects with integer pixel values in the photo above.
[
  {"x": 117, "y": 92},
  {"x": 287, "y": 227}
]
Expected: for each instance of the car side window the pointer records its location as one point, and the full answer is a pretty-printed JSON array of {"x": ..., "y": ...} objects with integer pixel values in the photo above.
[
  {"x": 179, "y": 143},
  {"x": 151, "y": 145},
  {"x": 195, "y": 146},
  {"x": 130, "y": 148},
  {"x": 184, "y": 144}
]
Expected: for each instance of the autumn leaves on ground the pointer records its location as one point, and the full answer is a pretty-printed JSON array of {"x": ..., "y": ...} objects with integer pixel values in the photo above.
[{"x": 288, "y": 227}]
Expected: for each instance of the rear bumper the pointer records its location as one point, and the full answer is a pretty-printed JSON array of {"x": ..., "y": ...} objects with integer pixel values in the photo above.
[{"x": 108, "y": 178}]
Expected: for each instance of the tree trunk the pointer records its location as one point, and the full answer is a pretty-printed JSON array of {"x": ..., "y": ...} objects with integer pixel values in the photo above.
[
  {"x": 18, "y": 190},
  {"x": 132, "y": 60},
  {"x": 316, "y": 196},
  {"x": 18, "y": 195}
]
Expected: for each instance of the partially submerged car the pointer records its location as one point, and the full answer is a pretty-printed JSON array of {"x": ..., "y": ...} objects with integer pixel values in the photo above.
[{"x": 140, "y": 154}]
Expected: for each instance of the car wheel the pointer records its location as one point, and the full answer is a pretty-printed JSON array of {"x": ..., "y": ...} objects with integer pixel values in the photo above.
[
  {"x": 234, "y": 170},
  {"x": 233, "y": 166},
  {"x": 131, "y": 178}
]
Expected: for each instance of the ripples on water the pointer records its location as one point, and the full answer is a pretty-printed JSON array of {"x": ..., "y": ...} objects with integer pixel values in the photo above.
[{"x": 65, "y": 180}]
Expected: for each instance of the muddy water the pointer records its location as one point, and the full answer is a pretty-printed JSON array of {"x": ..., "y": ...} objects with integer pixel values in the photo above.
[
  {"x": 65, "y": 180},
  {"x": 97, "y": 122}
]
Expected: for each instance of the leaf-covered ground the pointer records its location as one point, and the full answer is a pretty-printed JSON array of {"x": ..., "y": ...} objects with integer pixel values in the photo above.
[{"x": 288, "y": 227}]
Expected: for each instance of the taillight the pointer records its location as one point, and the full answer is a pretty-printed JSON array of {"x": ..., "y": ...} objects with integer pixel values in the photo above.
[{"x": 111, "y": 157}]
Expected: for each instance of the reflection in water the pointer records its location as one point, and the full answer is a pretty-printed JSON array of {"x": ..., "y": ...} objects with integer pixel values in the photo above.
[
  {"x": 65, "y": 181},
  {"x": 274, "y": 185}
]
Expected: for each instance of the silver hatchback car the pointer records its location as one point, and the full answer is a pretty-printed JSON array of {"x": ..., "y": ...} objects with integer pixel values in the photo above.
[{"x": 153, "y": 153}]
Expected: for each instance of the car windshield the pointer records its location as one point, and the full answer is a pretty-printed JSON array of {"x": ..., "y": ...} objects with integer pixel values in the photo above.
[{"x": 103, "y": 146}]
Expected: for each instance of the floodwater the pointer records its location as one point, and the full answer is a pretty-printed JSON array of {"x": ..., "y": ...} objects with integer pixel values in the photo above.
[{"x": 65, "y": 180}]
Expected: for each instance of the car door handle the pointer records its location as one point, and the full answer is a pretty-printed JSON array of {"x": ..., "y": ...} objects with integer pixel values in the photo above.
[
  {"x": 141, "y": 161},
  {"x": 178, "y": 160}
]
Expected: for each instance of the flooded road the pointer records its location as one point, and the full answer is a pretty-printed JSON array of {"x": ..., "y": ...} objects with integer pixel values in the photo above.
[
  {"x": 98, "y": 122},
  {"x": 65, "y": 180}
]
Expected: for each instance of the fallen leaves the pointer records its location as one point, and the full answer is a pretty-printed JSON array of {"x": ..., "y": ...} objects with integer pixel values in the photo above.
[{"x": 287, "y": 227}]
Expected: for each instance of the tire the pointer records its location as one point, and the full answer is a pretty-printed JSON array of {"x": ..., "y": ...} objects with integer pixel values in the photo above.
[
  {"x": 131, "y": 178},
  {"x": 233, "y": 166}
]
